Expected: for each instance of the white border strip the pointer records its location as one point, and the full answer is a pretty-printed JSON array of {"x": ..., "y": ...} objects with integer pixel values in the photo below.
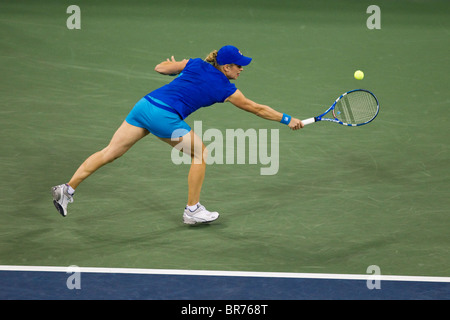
[{"x": 229, "y": 273}]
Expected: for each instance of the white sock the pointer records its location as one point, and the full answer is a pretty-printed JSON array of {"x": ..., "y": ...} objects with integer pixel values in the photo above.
[
  {"x": 70, "y": 190},
  {"x": 192, "y": 208}
]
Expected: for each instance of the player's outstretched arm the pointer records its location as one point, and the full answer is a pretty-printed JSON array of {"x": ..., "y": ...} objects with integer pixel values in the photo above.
[{"x": 263, "y": 111}]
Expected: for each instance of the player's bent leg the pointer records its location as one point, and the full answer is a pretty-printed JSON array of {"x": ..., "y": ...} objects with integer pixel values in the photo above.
[{"x": 192, "y": 145}]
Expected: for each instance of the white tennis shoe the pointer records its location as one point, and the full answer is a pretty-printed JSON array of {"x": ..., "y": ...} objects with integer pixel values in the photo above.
[
  {"x": 199, "y": 215},
  {"x": 61, "y": 198}
]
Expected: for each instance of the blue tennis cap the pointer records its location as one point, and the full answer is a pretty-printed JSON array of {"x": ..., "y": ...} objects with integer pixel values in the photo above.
[{"x": 231, "y": 54}]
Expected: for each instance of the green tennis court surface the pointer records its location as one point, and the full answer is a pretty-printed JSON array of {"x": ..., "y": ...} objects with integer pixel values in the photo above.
[{"x": 343, "y": 198}]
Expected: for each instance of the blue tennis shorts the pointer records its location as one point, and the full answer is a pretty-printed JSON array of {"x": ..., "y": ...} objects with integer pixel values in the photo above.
[{"x": 157, "y": 119}]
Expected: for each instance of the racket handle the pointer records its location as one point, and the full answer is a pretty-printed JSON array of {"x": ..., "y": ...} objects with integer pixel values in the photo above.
[{"x": 308, "y": 121}]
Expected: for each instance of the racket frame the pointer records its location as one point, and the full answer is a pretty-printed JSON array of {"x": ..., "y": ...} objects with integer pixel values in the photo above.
[{"x": 335, "y": 120}]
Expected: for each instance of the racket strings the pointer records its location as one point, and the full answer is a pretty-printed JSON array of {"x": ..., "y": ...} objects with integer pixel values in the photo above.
[{"x": 356, "y": 107}]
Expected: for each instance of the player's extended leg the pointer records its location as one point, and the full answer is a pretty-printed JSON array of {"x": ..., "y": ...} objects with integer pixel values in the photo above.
[{"x": 124, "y": 138}]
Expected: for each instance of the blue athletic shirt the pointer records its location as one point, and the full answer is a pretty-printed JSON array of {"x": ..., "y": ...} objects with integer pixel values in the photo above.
[{"x": 199, "y": 85}]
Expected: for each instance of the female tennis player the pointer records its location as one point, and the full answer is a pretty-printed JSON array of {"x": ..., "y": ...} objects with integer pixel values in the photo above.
[{"x": 200, "y": 83}]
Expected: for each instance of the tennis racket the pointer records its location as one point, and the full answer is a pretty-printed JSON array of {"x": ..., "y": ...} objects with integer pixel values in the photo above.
[{"x": 353, "y": 108}]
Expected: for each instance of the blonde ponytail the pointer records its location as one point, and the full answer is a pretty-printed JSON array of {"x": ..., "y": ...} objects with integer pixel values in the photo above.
[{"x": 211, "y": 58}]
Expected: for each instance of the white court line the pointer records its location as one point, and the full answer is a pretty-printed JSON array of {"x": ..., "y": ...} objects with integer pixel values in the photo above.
[{"x": 228, "y": 273}]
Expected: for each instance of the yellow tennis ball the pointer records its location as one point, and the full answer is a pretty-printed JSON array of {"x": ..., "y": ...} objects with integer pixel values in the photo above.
[{"x": 359, "y": 75}]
